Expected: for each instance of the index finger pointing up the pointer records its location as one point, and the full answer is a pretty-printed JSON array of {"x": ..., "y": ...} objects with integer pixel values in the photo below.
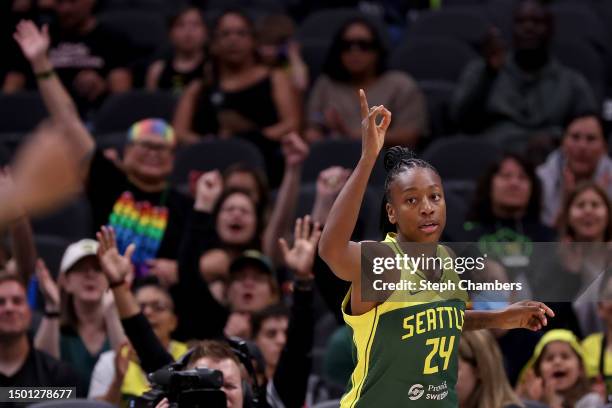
[{"x": 364, "y": 104}]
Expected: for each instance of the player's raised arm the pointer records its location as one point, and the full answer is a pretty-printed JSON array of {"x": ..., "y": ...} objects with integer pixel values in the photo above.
[
  {"x": 335, "y": 247},
  {"x": 34, "y": 44}
]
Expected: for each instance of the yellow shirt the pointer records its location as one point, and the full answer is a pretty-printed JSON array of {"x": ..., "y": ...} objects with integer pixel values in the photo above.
[
  {"x": 592, "y": 354},
  {"x": 135, "y": 382}
]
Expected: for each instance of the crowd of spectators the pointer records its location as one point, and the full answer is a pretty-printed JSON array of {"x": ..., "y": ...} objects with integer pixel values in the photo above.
[{"x": 164, "y": 268}]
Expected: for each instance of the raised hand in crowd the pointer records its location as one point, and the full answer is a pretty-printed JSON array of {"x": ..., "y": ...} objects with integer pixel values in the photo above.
[
  {"x": 47, "y": 336},
  {"x": 123, "y": 355},
  {"x": 300, "y": 257},
  {"x": 329, "y": 184},
  {"x": 48, "y": 287},
  {"x": 295, "y": 151},
  {"x": 208, "y": 190},
  {"x": 117, "y": 268},
  {"x": 23, "y": 261},
  {"x": 494, "y": 49}
]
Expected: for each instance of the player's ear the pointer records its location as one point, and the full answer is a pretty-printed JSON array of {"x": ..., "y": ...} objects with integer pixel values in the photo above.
[{"x": 391, "y": 213}]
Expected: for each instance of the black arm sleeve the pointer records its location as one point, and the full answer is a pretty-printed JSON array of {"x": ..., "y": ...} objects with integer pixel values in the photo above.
[
  {"x": 471, "y": 96},
  {"x": 293, "y": 369},
  {"x": 200, "y": 315},
  {"x": 150, "y": 351},
  {"x": 331, "y": 288}
]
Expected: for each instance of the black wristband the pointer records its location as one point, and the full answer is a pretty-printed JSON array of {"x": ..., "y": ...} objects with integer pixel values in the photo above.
[
  {"x": 45, "y": 74},
  {"x": 114, "y": 285},
  {"x": 52, "y": 315}
]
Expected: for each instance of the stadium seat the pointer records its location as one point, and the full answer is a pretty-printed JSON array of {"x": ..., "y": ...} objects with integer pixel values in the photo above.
[
  {"x": 439, "y": 96},
  {"x": 433, "y": 58},
  {"x": 71, "y": 222},
  {"x": 73, "y": 403},
  {"x": 145, "y": 30},
  {"x": 579, "y": 22},
  {"x": 51, "y": 249},
  {"x": 458, "y": 23},
  {"x": 210, "y": 155},
  {"x": 461, "y": 158},
  {"x": 345, "y": 153},
  {"x": 583, "y": 58},
  {"x": 322, "y": 25},
  {"x": 314, "y": 53},
  {"x": 21, "y": 112},
  {"x": 119, "y": 111},
  {"x": 456, "y": 209}
]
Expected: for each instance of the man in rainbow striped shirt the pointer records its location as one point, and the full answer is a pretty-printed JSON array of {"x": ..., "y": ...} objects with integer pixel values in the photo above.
[
  {"x": 132, "y": 194},
  {"x": 135, "y": 198}
]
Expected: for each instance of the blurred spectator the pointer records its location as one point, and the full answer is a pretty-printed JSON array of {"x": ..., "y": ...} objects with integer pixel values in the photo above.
[
  {"x": 112, "y": 385},
  {"x": 239, "y": 220},
  {"x": 135, "y": 198},
  {"x": 357, "y": 59},
  {"x": 238, "y": 95},
  {"x": 278, "y": 49},
  {"x": 582, "y": 156},
  {"x": 555, "y": 374},
  {"x": 525, "y": 90},
  {"x": 91, "y": 59},
  {"x": 186, "y": 63},
  {"x": 238, "y": 226},
  {"x": 20, "y": 363},
  {"x": 80, "y": 321},
  {"x": 507, "y": 205},
  {"x": 481, "y": 381},
  {"x": 586, "y": 225},
  {"x": 597, "y": 346},
  {"x": 251, "y": 179},
  {"x": 270, "y": 334}
]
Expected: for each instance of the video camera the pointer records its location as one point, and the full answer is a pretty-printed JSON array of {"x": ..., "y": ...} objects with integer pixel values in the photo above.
[{"x": 200, "y": 387}]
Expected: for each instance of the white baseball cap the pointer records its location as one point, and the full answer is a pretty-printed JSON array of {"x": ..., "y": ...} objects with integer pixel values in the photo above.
[{"x": 77, "y": 251}]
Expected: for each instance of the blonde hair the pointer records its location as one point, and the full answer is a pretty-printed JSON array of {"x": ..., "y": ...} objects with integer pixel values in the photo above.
[{"x": 492, "y": 390}]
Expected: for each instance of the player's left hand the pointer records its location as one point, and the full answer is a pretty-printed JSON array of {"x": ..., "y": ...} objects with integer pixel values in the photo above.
[{"x": 526, "y": 314}]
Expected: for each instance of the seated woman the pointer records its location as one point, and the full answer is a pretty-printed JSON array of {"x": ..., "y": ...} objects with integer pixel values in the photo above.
[
  {"x": 482, "y": 381},
  {"x": 112, "y": 385},
  {"x": 357, "y": 60},
  {"x": 238, "y": 96},
  {"x": 586, "y": 225},
  {"x": 186, "y": 63}
]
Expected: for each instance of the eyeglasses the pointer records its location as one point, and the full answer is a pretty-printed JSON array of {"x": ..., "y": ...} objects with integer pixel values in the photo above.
[
  {"x": 361, "y": 45},
  {"x": 157, "y": 307},
  {"x": 156, "y": 147}
]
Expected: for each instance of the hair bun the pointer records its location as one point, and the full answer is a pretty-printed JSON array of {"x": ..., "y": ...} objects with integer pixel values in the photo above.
[{"x": 396, "y": 155}]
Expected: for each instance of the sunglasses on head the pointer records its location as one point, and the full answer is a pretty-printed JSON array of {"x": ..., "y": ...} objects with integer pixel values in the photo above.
[{"x": 362, "y": 45}]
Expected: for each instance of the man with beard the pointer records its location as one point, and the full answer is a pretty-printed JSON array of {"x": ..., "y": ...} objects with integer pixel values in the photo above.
[{"x": 524, "y": 91}]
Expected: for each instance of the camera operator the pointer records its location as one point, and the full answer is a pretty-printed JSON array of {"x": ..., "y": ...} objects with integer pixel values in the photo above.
[{"x": 216, "y": 355}]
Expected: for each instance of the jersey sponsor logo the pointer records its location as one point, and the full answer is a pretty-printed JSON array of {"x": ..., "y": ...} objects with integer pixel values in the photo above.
[
  {"x": 433, "y": 392},
  {"x": 416, "y": 391}
]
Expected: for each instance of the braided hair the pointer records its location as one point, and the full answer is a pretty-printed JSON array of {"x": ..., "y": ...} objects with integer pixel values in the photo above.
[{"x": 397, "y": 160}]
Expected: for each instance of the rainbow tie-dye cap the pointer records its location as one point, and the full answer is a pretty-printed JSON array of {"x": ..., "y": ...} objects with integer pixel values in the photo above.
[{"x": 152, "y": 126}]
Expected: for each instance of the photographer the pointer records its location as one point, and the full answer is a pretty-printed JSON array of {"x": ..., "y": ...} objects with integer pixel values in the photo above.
[{"x": 216, "y": 355}]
